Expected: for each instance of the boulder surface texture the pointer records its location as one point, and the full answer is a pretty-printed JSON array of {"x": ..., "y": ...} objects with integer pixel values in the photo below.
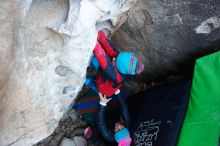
[
  {"x": 45, "y": 48},
  {"x": 168, "y": 35}
]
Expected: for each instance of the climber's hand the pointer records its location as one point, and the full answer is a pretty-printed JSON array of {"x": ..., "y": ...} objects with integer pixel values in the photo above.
[
  {"x": 113, "y": 61},
  {"x": 117, "y": 91},
  {"x": 103, "y": 99}
]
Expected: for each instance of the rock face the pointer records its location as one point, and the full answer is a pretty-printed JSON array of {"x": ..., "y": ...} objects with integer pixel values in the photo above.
[
  {"x": 70, "y": 127},
  {"x": 78, "y": 141},
  {"x": 45, "y": 47},
  {"x": 67, "y": 142},
  {"x": 167, "y": 35}
]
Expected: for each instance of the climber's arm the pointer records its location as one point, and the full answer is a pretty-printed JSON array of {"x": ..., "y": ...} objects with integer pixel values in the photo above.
[
  {"x": 101, "y": 119},
  {"x": 124, "y": 109},
  {"x": 107, "y": 45}
]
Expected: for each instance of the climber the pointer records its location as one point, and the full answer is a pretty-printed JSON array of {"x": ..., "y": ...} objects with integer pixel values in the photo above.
[
  {"x": 113, "y": 67},
  {"x": 120, "y": 127}
]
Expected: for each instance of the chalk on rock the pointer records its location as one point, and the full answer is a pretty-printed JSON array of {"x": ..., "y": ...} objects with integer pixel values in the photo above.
[
  {"x": 67, "y": 142},
  {"x": 79, "y": 141}
]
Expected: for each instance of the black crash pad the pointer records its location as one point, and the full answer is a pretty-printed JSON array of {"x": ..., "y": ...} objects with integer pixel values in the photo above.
[{"x": 157, "y": 114}]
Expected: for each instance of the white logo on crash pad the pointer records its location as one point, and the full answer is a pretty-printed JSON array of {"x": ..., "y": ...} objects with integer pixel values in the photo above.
[{"x": 146, "y": 133}]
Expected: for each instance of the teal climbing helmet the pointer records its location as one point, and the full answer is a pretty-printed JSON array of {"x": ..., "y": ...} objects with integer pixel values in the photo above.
[{"x": 126, "y": 63}]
